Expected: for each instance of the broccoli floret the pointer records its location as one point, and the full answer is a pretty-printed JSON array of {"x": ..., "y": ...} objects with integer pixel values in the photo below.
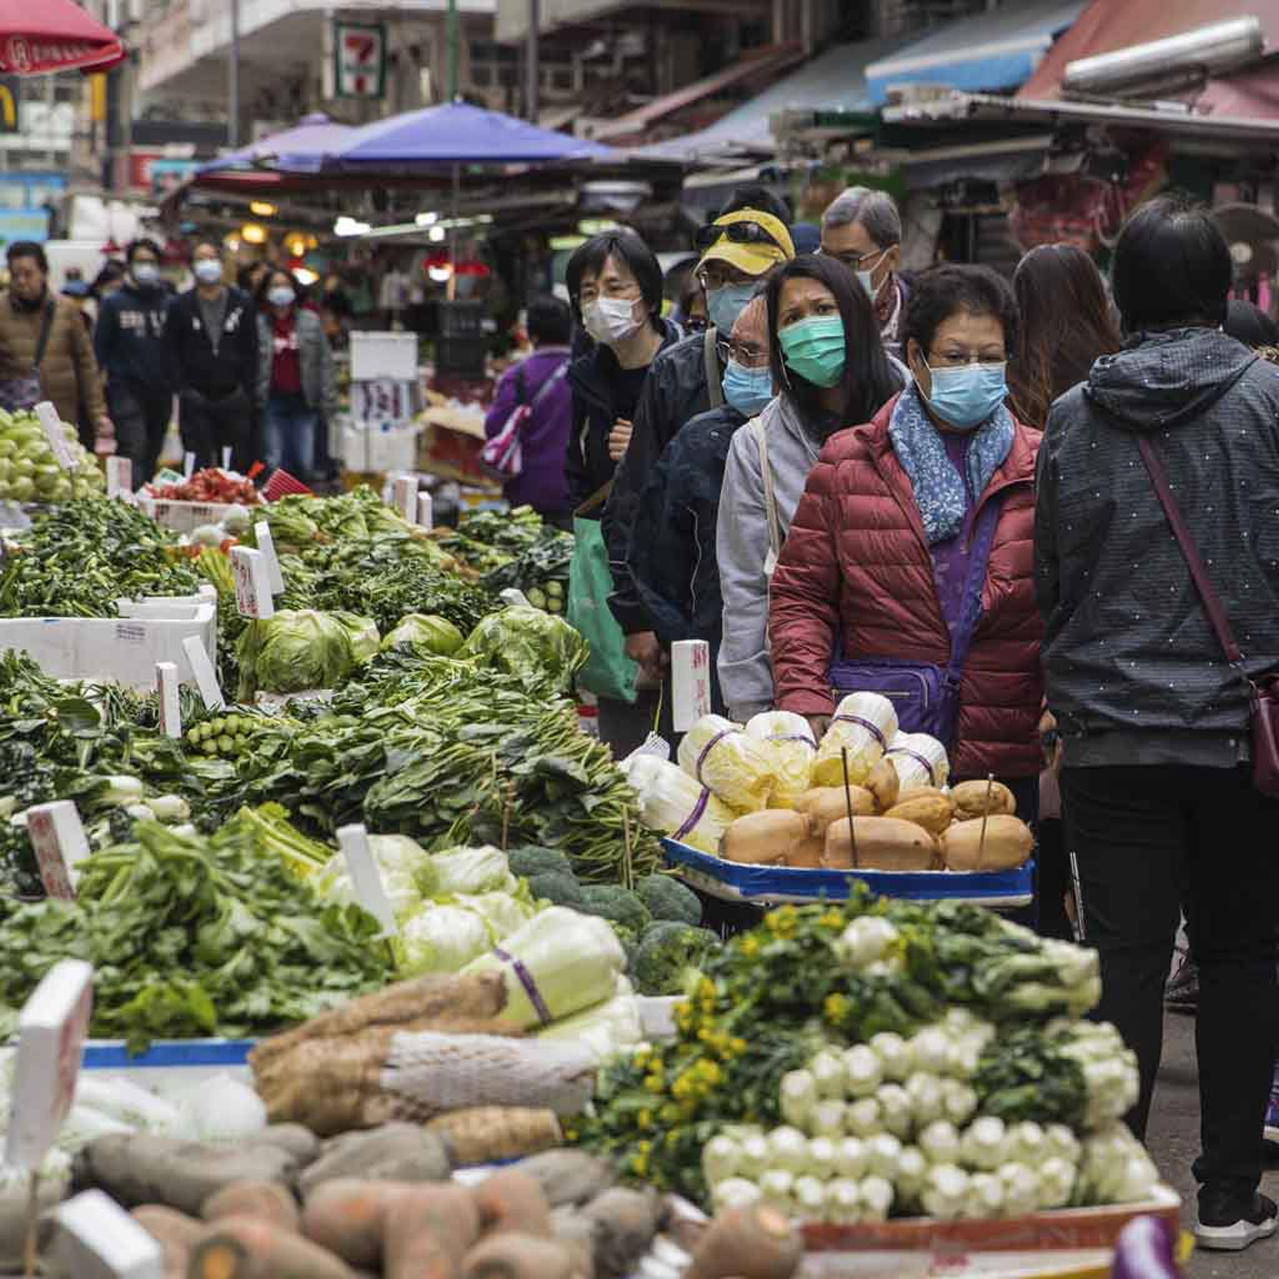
[
  {"x": 617, "y": 905},
  {"x": 666, "y": 898},
  {"x": 557, "y": 888},
  {"x": 666, "y": 952},
  {"x": 533, "y": 860}
]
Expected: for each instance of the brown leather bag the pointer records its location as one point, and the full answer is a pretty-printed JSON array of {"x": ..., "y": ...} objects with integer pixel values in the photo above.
[{"x": 1263, "y": 697}]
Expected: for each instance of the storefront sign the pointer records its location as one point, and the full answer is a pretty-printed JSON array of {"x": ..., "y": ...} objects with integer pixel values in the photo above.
[{"x": 359, "y": 59}]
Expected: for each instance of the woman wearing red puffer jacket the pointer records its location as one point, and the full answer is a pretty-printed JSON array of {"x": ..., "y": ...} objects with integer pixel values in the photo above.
[{"x": 913, "y": 542}]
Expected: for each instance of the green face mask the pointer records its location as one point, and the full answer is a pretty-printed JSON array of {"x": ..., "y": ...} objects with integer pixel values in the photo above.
[{"x": 814, "y": 348}]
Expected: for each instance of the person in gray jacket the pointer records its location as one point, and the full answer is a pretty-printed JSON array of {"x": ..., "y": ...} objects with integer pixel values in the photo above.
[
  {"x": 833, "y": 372},
  {"x": 1159, "y": 801},
  {"x": 296, "y": 380}
]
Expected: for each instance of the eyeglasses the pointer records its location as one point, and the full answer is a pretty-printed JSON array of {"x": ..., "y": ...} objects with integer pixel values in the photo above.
[
  {"x": 737, "y": 232},
  {"x": 750, "y": 355},
  {"x": 854, "y": 261},
  {"x": 957, "y": 359}
]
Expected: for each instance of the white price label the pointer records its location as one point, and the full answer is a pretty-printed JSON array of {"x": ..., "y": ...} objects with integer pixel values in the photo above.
[
  {"x": 60, "y": 844},
  {"x": 51, "y": 424},
  {"x": 51, "y": 1033},
  {"x": 226, "y": 457},
  {"x": 206, "y": 678},
  {"x": 119, "y": 476},
  {"x": 266, "y": 544},
  {"x": 96, "y": 1237},
  {"x": 366, "y": 876},
  {"x": 404, "y": 496},
  {"x": 252, "y": 583},
  {"x": 166, "y": 684},
  {"x": 425, "y": 510},
  {"x": 690, "y": 683},
  {"x": 188, "y": 465}
]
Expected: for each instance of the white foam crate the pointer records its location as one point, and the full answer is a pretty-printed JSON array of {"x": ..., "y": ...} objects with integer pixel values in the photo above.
[
  {"x": 182, "y": 517},
  {"x": 367, "y": 447},
  {"x": 377, "y": 355}
]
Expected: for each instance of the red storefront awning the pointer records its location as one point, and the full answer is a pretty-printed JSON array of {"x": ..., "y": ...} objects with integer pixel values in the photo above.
[{"x": 38, "y": 36}]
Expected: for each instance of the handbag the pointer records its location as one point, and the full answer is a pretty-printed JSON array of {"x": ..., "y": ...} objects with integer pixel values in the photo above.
[
  {"x": 19, "y": 393},
  {"x": 503, "y": 455},
  {"x": 1263, "y": 695},
  {"x": 925, "y": 695}
]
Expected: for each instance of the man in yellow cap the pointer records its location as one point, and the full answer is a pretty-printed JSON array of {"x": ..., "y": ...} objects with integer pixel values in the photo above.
[{"x": 737, "y": 250}]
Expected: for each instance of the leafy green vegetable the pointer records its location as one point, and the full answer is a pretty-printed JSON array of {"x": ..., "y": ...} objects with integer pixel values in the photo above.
[
  {"x": 666, "y": 953},
  {"x": 300, "y": 649},
  {"x": 540, "y": 651},
  {"x": 426, "y": 635}
]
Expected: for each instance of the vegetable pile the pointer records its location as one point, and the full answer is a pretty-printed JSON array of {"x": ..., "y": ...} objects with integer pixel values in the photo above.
[
  {"x": 29, "y": 471},
  {"x": 212, "y": 485}
]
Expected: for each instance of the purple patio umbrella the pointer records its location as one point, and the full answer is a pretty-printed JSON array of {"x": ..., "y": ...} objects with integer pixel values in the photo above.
[{"x": 301, "y": 149}]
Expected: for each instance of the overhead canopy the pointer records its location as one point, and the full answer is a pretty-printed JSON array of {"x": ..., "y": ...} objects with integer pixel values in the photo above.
[
  {"x": 999, "y": 49},
  {"x": 301, "y": 149},
  {"x": 54, "y": 35}
]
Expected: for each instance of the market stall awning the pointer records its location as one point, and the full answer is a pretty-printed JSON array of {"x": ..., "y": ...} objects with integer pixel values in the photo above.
[
  {"x": 38, "y": 36},
  {"x": 995, "y": 50},
  {"x": 301, "y": 149}
]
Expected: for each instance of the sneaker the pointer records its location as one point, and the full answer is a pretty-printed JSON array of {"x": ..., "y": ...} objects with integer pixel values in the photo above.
[
  {"x": 1271, "y": 1129},
  {"x": 1181, "y": 994},
  {"x": 1229, "y": 1223}
]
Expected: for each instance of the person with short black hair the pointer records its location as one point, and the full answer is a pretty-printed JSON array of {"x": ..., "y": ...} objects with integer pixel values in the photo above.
[
  {"x": 45, "y": 350},
  {"x": 755, "y": 195},
  {"x": 862, "y": 229},
  {"x": 539, "y": 382},
  {"x": 1157, "y": 790},
  {"x": 129, "y": 343}
]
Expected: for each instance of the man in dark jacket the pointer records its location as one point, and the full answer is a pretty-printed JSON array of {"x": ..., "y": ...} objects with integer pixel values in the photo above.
[
  {"x": 212, "y": 337},
  {"x": 129, "y": 344},
  {"x": 1160, "y": 807},
  {"x": 738, "y": 249}
]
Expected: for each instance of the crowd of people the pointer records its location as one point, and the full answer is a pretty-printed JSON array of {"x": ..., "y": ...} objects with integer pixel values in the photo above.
[{"x": 946, "y": 487}]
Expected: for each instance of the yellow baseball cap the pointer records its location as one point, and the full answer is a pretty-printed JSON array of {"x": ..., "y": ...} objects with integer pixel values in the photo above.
[{"x": 754, "y": 256}]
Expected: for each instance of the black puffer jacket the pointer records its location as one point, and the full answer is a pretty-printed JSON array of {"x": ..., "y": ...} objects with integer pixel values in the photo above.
[
  {"x": 675, "y": 392},
  {"x": 1134, "y": 672}
]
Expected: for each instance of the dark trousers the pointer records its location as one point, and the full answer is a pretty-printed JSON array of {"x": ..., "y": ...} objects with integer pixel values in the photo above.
[
  {"x": 1147, "y": 839},
  {"x": 141, "y": 416},
  {"x": 210, "y": 425}
]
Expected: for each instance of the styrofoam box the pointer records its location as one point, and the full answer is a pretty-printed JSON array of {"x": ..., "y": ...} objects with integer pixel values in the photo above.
[
  {"x": 171, "y": 1058},
  {"x": 375, "y": 354},
  {"x": 368, "y": 447},
  {"x": 182, "y": 517}
]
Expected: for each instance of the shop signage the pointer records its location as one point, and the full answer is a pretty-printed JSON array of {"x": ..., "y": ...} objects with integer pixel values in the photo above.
[{"x": 359, "y": 59}]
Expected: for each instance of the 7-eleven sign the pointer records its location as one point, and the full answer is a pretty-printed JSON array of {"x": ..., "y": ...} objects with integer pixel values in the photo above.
[{"x": 359, "y": 53}]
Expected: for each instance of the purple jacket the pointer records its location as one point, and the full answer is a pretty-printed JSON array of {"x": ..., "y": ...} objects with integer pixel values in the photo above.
[{"x": 544, "y": 438}]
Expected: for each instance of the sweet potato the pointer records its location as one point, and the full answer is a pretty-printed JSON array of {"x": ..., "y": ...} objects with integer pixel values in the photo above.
[
  {"x": 514, "y": 1256},
  {"x": 972, "y": 800},
  {"x": 625, "y": 1223},
  {"x": 266, "y": 1200},
  {"x": 249, "y": 1248},
  {"x": 174, "y": 1231},
  {"x": 393, "y": 1152},
  {"x": 490, "y": 1134},
  {"x": 764, "y": 838},
  {"x": 747, "y": 1243},
  {"x": 825, "y": 804},
  {"x": 568, "y": 1176},
  {"x": 1007, "y": 843},
  {"x": 883, "y": 843},
  {"x": 428, "y": 1231},
  {"x": 297, "y": 1140},
  {"x": 348, "y": 1217},
  {"x": 511, "y": 1201},
  {"x": 884, "y": 784}
]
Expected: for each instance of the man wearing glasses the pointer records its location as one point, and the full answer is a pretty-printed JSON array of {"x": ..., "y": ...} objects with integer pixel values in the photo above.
[
  {"x": 737, "y": 250},
  {"x": 863, "y": 230}
]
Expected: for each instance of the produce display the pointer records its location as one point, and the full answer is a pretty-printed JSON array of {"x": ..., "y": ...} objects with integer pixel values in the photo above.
[
  {"x": 29, "y": 470},
  {"x": 212, "y": 485}
]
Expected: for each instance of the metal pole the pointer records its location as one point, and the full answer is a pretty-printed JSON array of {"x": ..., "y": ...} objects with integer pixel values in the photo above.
[
  {"x": 451, "y": 38},
  {"x": 530, "y": 60},
  {"x": 233, "y": 80}
]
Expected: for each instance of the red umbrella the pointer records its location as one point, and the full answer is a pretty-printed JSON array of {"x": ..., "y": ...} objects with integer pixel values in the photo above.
[{"x": 54, "y": 35}]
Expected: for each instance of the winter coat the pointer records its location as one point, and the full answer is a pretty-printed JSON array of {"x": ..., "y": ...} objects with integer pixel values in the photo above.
[
  {"x": 588, "y": 464},
  {"x": 676, "y": 391},
  {"x": 68, "y": 371},
  {"x": 856, "y": 561},
  {"x": 319, "y": 380},
  {"x": 672, "y": 554},
  {"x": 541, "y": 483},
  {"x": 195, "y": 366},
  {"x": 1135, "y": 673},
  {"x": 129, "y": 340}
]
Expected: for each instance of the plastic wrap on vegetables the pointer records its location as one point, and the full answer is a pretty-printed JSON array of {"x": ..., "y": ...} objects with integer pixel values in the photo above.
[
  {"x": 920, "y": 760},
  {"x": 440, "y": 939},
  {"x": 464, "y": 870},
  {"x": 737, "y": 768},
  {"x": 864, "y": 723},
  {"x": 607, "y": 1028},
  {"x": 671, "y": 801},
  {"x": 790, "y": 741}
]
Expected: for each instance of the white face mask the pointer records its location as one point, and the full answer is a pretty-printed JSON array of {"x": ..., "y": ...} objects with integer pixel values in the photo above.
[
  {"x": 280, "y": 296},
  {"x": 610, "y": 320},
  {"x": 146, "y": 272},
  {"x": 208, "y": 271}
]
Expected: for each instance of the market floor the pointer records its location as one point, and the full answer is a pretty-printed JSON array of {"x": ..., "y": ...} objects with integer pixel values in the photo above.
[{"x": 1174, "y": 1143}]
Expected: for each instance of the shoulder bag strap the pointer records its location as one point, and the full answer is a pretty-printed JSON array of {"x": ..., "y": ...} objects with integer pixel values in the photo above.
[
  {"x": 547, "y": 384},
  {"x": 1194, "y": 561},
  {"x": 46, "y": 323},
  {"x": 961, "y": 637},
  {"x": 598, "y": 498},
  {"x": 714, "y": 390},
  {"x": 770, "y": 496}
]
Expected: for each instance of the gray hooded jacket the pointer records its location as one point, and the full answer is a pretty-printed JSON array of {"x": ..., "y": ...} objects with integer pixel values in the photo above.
[{"x": 1135, "y": 674}]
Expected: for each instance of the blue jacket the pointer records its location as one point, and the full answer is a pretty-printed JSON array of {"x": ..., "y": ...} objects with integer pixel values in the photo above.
[
  {"x": 543, "y": 483},
  {"x": 129, "y": 340}
]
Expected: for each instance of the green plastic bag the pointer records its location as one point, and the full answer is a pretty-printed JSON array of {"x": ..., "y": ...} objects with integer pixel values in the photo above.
[{"x": 608, "y": 671}]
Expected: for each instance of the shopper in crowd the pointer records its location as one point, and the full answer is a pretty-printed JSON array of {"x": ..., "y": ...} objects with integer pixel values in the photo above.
[
  {"x": 672, "y": 554},
  {"x": 249, "y": 278},
  {"x": 296, "y": 381},
  {"x": 212, "y": 335},
  {"x": 1159, "y": 801},
  {"x": 832, "y": 371},
  {"x": 131, "y": 351},
  {"x": 540, "y": 383},
  {"x": 737, "y": 250},
  {"x": 1249, "y": 324},
  {"x": 863, "y": 230},
  {"x": 914, "y": 532},
  {"x": 45, "y": 350},
  {"x": 692, "y": 316}
]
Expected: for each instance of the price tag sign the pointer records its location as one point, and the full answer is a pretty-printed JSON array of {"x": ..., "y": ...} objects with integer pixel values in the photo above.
[
  {"x": 690, "y": 682},
  {"x": 60, "y": 843},
  {"x": 226, "y": 457},
  {"x": 166, "y": 684},
  {"x": 188, "y": 465},
  {"x": 425, "y": 510},
  {"x": 206, "y": 678},
  {"x": 266, "y": 544},
  {"x": 51, "y": 424},
  {"x": 119, "y": 476},
  {"x": 404, "y": 496},
  {"x": 96, "y": 1237},
  {"x": 252, "y": 583},
  {"x": 51, "y": 1034},
  {"x": 366, "y": 876}
]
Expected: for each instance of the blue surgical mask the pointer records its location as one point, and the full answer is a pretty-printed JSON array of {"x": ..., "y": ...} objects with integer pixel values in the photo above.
[
  {"x": 146, "y": 272},
  {"x": 281, "y": 295},
  {"x": 967, "y": 396},
  {"x": 725, "y": 304},
  {"x": 747, "y": 390}
]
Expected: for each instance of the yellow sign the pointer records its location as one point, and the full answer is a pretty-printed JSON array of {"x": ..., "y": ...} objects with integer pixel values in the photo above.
[
  {"x": 98, "y": 98},
  {"x": 8, "y": 107}
]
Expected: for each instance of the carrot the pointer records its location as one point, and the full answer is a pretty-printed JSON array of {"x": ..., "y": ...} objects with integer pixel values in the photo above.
[
  {"x": 747, "y": 1243},
  {"x": 265, "y": 1200},
  {"x": 428, "y": 1231},
  {"x": 516, "y": 1256},
  {"x": 248, "y": 1248},
  {"x": 174, "y": 1231},
  {"x": 348, "y": 1216},
  {"x": 511, "y": 1200}
]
